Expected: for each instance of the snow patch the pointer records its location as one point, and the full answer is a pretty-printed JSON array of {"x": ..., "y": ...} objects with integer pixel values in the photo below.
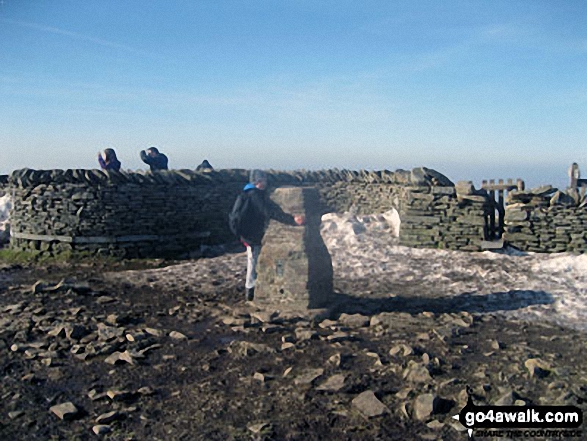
[{"x": 5, "y": 207}]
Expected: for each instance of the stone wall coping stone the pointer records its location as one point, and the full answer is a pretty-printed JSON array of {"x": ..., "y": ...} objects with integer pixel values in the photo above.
[{"x": 419, "y": 177}]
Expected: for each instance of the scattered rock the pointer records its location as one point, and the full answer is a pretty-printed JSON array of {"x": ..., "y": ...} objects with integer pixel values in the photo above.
[
  {"x": 177, "y": 335},
  {"x": 333, "y": 384},
  {"x": 119, "y": 395},
  {"x": 335, "y": 359},
  {"x": 303, "y": 334},
  {"x": 107, "y": 418},
  {"x": 506, "y": 399},
  {"x": 428, "y": 404},
  {"x": 265, "y": 316},
  {"x": 270, "y": 329},
  {"x": 369, "y": 405},
  {"x": 75, "y": 332},
  {"x": 101, "y": 429},
  {"x": 247, "y": 348},
  {"x": 328, "y": 324},
  {"x": 261, "y": 377},
  {"x": 146, "y": 390},
  {"x": 308, "y": 376},
  {"x": 94, "y": 395},
  {"x": 119, "y": 357},
  {"x": 107, "y": 333},
  {"x": 435, "y": 425},
  {"x": 404, "y": 349},
  {"x": 417, "y": 373},
  {"x": 354, "y": 320},
  {"x": 15, "y": 414},
  {"x": 258, "y": 427},
  {"x": 537, "y": 368},
  {"x": 339, "y": 337},
  {"x": 424, "y": 406},
  {"x": 65, "y": 411},
  {"x": 136, "y": 336},
  {"x": 495, "y": 345},
  {"x": 154, "y": 332},
  {"x": 57, "y": 331}
]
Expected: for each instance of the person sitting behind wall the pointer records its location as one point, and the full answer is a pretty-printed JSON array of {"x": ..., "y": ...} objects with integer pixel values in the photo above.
[
  {"x": 205, "y": 165},
  {"x": 108, "y": 160},
  {"x": 155, "y": 160}
]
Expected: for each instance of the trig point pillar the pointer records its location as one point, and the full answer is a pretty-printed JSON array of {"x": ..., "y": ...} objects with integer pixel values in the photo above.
[{"x": 294, "y": 270}]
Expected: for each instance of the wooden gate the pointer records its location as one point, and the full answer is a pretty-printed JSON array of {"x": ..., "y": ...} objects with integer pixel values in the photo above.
[{"x": 497, "y": 192}]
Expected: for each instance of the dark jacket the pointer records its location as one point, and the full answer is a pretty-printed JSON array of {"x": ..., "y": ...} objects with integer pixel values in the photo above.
[
  {"x": 205, "y": 165},
  {"x": 158, "y": 162},
  {"x": 263, "y": 209},
  {"x": 113, "y": 164}
]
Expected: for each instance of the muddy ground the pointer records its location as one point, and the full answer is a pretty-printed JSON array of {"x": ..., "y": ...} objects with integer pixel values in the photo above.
[{"x": 142, "y": 360}]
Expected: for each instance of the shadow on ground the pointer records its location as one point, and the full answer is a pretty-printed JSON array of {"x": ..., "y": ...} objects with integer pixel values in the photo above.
[{"x": 466, "y": 302}]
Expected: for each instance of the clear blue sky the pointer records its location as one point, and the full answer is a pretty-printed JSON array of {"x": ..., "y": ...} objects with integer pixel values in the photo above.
[{"x": 474, "y": 89}]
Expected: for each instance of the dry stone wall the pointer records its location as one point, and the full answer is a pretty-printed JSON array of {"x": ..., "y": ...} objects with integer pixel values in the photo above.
[
  {"x": 547, "y": 220},
  {"x": 172, "y": 213},
  {"x": 444, "y": 217},
  {"x": 121, "y": 214}
]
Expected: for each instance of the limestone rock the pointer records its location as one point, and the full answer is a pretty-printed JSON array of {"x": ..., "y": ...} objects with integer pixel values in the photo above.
[
  {"x": 15, "y": 414},
  {"x": 177, "y": 335},
  {"x": 417, "y": 373},
  {"x": 354, "y": 320},
  {"x": 119, "y": 357},
  {"x": 404, "y": 349},
  {"x": 65, "y": 411},
  {"x": 303, "y": 334},
  {"x": 75, "y": 332},
  {"x": 107, "y": 333},
  {"x": 333, "y": 384},
  {"x": 109, "y": 417},
  {"x": 537, "y": 367},
  {"x": 339, "y": 337},
  {"x": 101, "y": 429},
  {"x": 369, "y": 405},
  {"x": 259, "y": 427},
  {"x": 119, "y": 395},
  {"x": 308, "y": 376},
  {"x": 424, "y": 406}
]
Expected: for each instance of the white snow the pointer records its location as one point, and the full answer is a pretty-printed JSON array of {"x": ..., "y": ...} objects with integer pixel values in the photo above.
[
  {"x": 5, "y": 207},
  {"x": 533, "y": 286},
  {"x": 369, "y": 263}
]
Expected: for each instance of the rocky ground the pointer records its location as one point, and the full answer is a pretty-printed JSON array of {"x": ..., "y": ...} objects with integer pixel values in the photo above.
[{"x": 174, "y": 353}]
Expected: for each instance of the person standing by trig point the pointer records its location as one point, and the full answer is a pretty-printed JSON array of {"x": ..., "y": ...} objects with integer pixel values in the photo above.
[
  {"x": 154, "y": 159},
  {"x": 248, "y": 221}
]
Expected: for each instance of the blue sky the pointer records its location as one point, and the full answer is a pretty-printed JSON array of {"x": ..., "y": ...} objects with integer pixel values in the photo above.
[{"x": 474, "y": 89}]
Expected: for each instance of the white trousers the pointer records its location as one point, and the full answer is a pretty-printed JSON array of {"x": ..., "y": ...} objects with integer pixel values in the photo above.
[{"x": 252, "y": 256}]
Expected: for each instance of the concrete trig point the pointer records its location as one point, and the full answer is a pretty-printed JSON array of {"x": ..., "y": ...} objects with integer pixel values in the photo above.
[{"x": 294, "y": 270}]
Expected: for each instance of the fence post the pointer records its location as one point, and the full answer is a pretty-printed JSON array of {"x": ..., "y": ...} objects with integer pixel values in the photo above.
[
  {"x": 500, "y": 208},
  {"x": 492, "y": 212},
  {"x": 574, "y": 174}
]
